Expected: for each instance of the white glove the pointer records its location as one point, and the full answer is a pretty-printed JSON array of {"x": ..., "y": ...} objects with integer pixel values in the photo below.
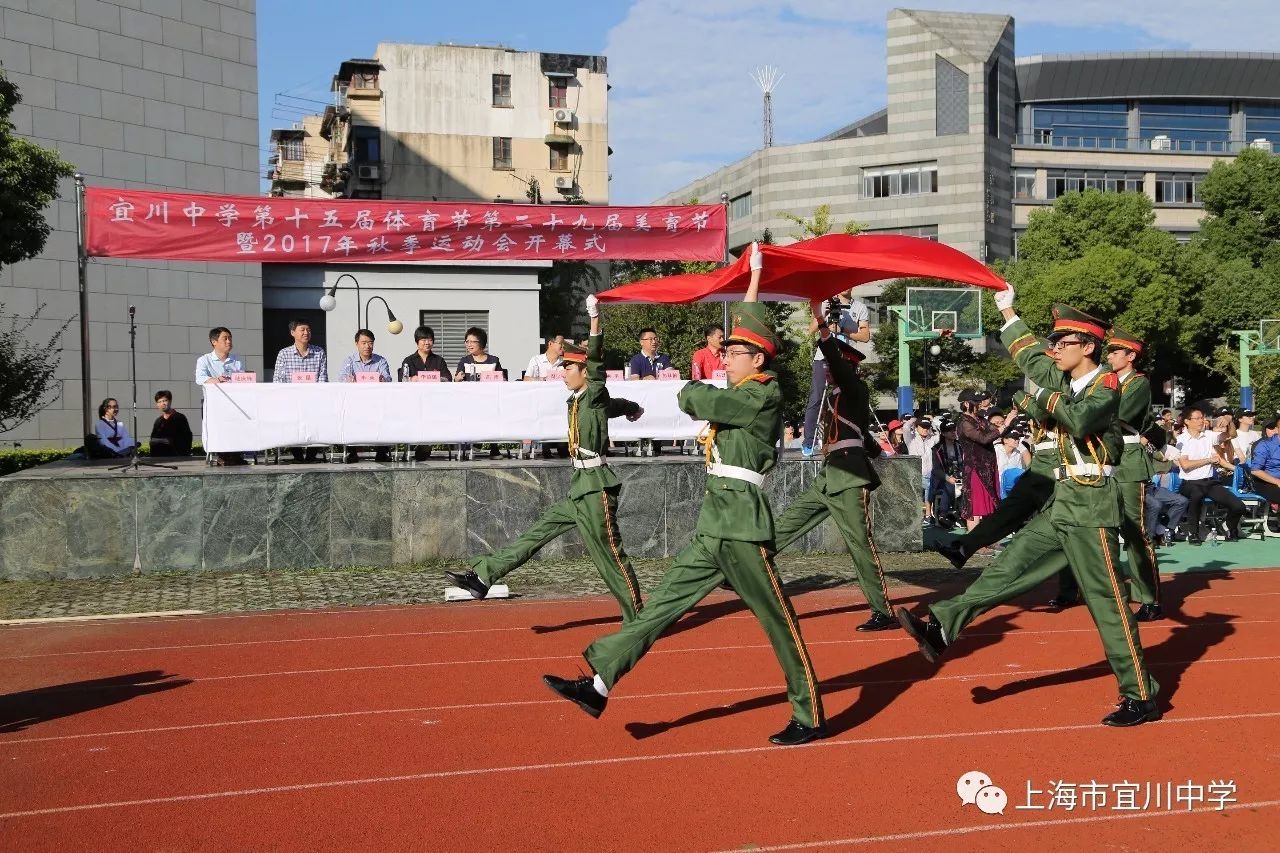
[
  {"x": 757, "y": 259},
  {"x": 1004, "y": 298},
  {"x": 593, "y": 306}
]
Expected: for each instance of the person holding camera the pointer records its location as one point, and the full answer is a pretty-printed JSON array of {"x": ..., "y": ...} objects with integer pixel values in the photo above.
[
  {"x": 977, "y": 438},
  {"x": 845, "y": 316}
]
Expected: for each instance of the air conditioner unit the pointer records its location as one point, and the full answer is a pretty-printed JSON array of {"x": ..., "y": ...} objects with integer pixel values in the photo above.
[
  {"x": 563, "y": 116},
  {"x": 1161, "y": 143},
  {"x": 1261, "y": 144},
  {"x": 564, "y": 182},
  {"x": 367, "y": 173}
]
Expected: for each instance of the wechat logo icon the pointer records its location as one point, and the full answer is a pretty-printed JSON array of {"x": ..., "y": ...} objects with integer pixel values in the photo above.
[{"x": 975, "y": 789}]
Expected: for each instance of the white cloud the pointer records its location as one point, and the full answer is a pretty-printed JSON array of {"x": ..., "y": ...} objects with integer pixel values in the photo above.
[{"x": 683, "y": 103}]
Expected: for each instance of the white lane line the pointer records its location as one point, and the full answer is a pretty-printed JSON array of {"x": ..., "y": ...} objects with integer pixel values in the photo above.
[
  {"x": 849, "y": 590},
  {"x": 519, "y": 703},
  {"x": 46, "y": 620},
  {"x": 1166, "y": 624},
  {"x": 997, "y": 827},
  {"x": 600, "y": 762}
]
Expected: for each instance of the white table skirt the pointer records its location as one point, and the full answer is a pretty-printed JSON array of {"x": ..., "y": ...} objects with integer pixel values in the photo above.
[{"x": 259, "y": 416}]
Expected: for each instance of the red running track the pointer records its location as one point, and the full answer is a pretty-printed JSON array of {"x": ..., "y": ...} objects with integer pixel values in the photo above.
[{"x": 427, "y": 728}]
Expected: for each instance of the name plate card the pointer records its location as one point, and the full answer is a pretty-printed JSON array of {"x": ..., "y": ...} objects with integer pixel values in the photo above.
[
  {"x": 368, "y": 377},
  {"x": 554, "y": 376},
  {"x": 302, "y": 377},
  {"x": 426, "y": 376},
  {"x": 492, "y": 376},
  {"x": 614, "y": 376},
  {"x": 669, "y": 373},
  {"x": 719, "y": 374},
  {"x": 244, "y": 377}
]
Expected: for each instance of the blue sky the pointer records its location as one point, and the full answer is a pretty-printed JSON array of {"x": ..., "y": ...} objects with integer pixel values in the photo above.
[{"x": 682, "y": 102}]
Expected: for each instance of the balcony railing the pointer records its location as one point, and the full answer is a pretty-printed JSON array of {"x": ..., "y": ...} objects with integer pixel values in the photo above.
[{"x": 1159, "y": 144}]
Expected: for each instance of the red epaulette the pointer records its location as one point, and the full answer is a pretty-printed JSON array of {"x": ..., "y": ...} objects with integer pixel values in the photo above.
[
  {"x": 1110, "y": 382},
  {"x": 762, "y": 378}
]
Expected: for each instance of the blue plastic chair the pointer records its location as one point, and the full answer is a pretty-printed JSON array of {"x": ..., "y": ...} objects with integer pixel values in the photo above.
[
  {"x": 1253, "y": 500},
  {"x": 1008, "y": 478}
]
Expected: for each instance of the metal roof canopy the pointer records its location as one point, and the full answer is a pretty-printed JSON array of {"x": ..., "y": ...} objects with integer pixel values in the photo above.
[{"x": 1193, "y": 75}]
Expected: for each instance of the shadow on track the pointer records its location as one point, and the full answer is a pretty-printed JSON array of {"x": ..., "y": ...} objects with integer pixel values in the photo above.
[{"x": 19, "y": 711}]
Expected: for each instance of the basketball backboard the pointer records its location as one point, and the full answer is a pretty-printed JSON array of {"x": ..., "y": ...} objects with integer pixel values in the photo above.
[{"x": 932, "y": 311}]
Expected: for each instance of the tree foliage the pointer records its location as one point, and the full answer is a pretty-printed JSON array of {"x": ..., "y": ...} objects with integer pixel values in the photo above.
[
  {"x": 818, "y": 225},
  {"x": 27, "y": 371},
  {"x": 28, "y": 184}
]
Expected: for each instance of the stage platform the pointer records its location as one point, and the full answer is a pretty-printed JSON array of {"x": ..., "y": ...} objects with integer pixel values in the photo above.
[{"x": 78, "y": 519}]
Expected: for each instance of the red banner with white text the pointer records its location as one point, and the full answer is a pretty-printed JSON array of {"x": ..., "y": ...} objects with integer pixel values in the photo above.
[{"x": 259, "y": 229}]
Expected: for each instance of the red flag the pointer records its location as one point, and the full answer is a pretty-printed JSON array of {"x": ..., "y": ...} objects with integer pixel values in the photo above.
[{"x": 816, "y": 269}]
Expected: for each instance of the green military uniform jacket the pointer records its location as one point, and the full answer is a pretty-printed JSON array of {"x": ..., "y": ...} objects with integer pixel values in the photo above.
[
  {"x": 589, "y": 412},
  {"x": 1087, "y": 426},
  {"x": 747, "y": 420},
  {"x": 1135, "y": 415},
  {"x": 1046, "y": 375},
  {"x": 849, "y": 467}
]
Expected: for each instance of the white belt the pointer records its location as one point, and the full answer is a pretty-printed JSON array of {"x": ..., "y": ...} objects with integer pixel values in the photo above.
[
  {"x": 1045, "y": 445},
  {"x": 843, "y": 443},
  {"x": 733, "y": 472},
  {"x": 1132, "y": 439},
  {"x": 1089, "y": 469},
  {"x": 594, "y": 462}
]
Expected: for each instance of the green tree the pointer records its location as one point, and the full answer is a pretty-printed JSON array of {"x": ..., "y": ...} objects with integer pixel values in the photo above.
[
  {"x": 29, "y": 177},
  {"x": 817, "y": 226}
]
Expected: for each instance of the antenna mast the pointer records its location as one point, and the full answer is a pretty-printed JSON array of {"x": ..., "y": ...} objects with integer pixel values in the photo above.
[{"x": 767, "y": 78}]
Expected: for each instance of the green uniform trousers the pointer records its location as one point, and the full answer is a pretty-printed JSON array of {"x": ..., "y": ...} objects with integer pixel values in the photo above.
[
  {"x": 700, "y": 568},
  {"x": 1141, "y": 567},
  {"x": 1028, "y": 496},
  {"x": 1042, "y": 549},
  {"x": 850, "y": 509},
  {"x": 595, "y": 514}
]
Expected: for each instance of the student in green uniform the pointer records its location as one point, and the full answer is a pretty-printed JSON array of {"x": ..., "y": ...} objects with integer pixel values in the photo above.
[
  {"x": 842, "y": 489},
  {"x": 592, "y": 503},
  {"x": 1082, "y": 519},
  {"x": 734, "y": 537}
]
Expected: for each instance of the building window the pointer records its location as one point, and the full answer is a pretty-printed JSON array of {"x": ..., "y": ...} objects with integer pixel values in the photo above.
[
  {"x": 559, "y": 89},
  {"x": 951, "y": 98},
  {"x": 740, "y": 206},
  {"x": 559, "y": 158},
  {"x": 364, "y": 80},
  {"x": 1262, "y": 121},
  {"x": 502, "y": 152},
  {"x": 291, "y": 149},
  {"x": 502, "y": 90},
  {"x": 366, "y": 144},
  {"x": 1063, "y": 181},
  {"x": 1185, "y": 127},
  {"x": 1080, "y": 125},
  {"x": 1024, "y": 183},
  {"x": 993, "y": 100},
  {"x": 451, "y": 330},
  {"x": 909, "y": 179},
  {"x": 1174, "y": 188}
]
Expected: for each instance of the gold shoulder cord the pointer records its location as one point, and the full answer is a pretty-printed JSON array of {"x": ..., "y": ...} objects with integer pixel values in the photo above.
[{"x": 1092, "y": 446}]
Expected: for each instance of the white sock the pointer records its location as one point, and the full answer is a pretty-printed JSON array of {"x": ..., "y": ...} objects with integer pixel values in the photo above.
[{"x": 598, "y": 684}]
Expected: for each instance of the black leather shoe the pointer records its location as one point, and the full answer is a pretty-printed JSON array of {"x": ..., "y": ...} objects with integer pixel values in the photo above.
[
  {"x": 797, "y": 733},
  {"x": 1132, "y": 712},
  {"x": 1177, "y": 537},
  {"x": 1062, "y": 602},
  {"x": 1195, "y": 540},
  {"x": 580, "y": 691},
  {"x": 953, "y": 551},
  {"x": 471, "y": 582},
  {"x": 928, "y": 635},
  {"x": 878, "y": 622},
  {"x": 1158, "y": 541},
  {"x": 1149, "y": 613}
]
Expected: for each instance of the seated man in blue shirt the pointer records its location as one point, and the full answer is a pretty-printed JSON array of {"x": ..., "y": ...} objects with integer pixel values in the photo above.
[
  {"x": 1264, "y": 467},
  {"x": 216, "y": 367},
  {"x": 365, "y": 360},
  {"x": 646, "y": 363}
]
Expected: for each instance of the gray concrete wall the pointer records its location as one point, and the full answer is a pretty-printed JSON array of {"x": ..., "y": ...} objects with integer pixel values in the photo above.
[
  {"x": 64, "y": 522},
  {"x": 139, "y": 94}
]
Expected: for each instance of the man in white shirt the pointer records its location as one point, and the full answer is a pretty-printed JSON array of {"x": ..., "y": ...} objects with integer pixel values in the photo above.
[
  {"x": 921, "y": 440},
  {"x": 543, "y": 363},
  {"x": 854, "y": 324},
  {"x": 1198, "y": 458},
  {"x": 214, "y": 368}
]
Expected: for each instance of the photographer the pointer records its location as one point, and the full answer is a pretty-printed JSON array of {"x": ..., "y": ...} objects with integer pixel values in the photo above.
[
  {"x": 981, "y": 475},
  {"x": 920, "y": 442},
  {"x": 946, "y": 479},
  {"x": 844, "y": 316}
]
